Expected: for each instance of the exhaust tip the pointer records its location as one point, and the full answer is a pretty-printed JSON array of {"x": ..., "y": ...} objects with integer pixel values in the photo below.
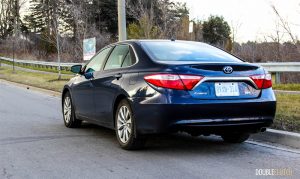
[{"x": 263, "y": 129}]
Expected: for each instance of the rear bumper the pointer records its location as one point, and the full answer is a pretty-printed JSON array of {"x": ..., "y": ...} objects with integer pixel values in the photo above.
[
  {"x": 247, "y": 117},
  {"x": 204, "y": 116},
  {"x": 222, "y": 126}
]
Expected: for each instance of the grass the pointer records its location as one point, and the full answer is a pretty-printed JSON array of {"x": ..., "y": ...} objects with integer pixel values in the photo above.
[
  {"x": 54, "y": 70},
  {"x": 288, "y": 112},
  {"x": 46, "y": 81},
  {"x": 289, "y": 87},
  {"x": 288, "y": 105}
]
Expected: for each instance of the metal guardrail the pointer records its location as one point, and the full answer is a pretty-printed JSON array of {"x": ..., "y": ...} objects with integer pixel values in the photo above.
[
  {"x": 273, "y": 67},
  {"x": 40, "y": 64},
  {"x": 276, "y": 68}
]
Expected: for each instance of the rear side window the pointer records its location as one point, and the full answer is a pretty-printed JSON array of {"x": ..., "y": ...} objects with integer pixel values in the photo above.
[
  {"x": 116, "y": 57},
  {"x": 96, "y": 62},
  {"x": 129, "y": 59},
  {"x": 186, "y": 51}
]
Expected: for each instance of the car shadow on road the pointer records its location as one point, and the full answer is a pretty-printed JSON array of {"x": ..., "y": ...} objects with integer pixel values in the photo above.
[{"x": 170, "y": 142}]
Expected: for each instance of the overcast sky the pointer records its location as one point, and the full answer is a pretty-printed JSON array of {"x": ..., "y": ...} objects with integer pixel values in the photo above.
[{"x": 255, "y": 17}]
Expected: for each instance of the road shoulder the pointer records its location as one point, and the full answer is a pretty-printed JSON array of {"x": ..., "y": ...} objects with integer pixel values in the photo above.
[
  {"x": 29, "y": 87},
  {"x": 285, "y": 138}
]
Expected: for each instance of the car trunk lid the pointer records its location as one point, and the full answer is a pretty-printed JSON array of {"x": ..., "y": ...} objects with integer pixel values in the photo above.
[{"x": 235, "y": 83}]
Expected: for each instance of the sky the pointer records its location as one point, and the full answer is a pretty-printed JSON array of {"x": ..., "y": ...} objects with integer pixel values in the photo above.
[{"x": 253, "y": 19}]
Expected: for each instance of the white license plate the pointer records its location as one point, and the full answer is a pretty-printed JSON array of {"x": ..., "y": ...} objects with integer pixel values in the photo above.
[{"x": 227, "y": 89}]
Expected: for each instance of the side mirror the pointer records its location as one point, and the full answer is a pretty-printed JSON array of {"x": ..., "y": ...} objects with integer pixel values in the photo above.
[
  {"x": 89, "y": 75},
  {"x": 76, "y": 68}
]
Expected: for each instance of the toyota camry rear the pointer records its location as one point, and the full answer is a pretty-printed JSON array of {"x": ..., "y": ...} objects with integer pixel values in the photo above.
[
  {"x": 200, "y": 89},
  {"x": 143, "y": 87}
]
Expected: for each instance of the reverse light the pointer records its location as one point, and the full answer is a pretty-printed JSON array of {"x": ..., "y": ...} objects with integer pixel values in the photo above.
[
  {"x": 173, "y": 81},
  {"x": 262, "y": 81}
]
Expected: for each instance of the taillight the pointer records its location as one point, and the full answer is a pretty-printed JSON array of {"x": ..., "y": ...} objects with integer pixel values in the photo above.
[
  {"x": 173, "y": 81},
  {"x": 262, "y": 81}
]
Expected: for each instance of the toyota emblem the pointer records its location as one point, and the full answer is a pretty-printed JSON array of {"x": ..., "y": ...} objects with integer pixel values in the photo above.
[{"x": 227, "y": 69}]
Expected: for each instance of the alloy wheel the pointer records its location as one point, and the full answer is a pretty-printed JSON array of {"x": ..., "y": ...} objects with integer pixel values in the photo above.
[
  {"x": 124, "y": 124},
  {"x": 67, "y": 109}
]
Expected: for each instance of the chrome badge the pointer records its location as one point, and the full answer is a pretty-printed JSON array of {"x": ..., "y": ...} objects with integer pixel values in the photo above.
[{"x": 227, "y": 69}]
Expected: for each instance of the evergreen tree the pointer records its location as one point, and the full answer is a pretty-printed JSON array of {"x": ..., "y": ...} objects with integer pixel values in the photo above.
[
  {"x": 43, "y": 19},
  {"x": 10, "y": 19},
  {"x": 216, "y": 30}
]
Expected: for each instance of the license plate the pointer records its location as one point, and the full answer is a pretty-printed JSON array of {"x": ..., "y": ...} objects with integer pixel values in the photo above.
[{"x": 227, "y": 89}]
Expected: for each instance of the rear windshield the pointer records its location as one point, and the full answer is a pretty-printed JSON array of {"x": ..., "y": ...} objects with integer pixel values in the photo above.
[{"x": 186, "y": 51}]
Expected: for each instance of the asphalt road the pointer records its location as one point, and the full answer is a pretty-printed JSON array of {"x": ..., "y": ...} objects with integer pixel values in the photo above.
[{"x": 35, "y": 144}]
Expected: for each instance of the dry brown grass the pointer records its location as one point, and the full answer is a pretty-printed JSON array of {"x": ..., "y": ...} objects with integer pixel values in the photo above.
[
  {"x": 46, "y": 81},
  {"x": 288, "y": 112}
]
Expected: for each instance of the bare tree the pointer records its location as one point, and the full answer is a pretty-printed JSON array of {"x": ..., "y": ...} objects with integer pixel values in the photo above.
[
  {"x": 277, "y": 39},
  {"x": 234, "y": 32},
  {"x": 145, "y": 15},
  {"x": 159, "y": 19},
  {"x": 284, "y": 24},
  {"x": 52, "y": 34}
]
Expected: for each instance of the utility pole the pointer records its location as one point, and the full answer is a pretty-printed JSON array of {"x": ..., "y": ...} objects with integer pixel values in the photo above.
[
  {"x": 57, "y": 46},
  {"x": 122, "y": 20},
  {"x": 14, "y": 54},
  {"x": 58, "y": 52},
  {"x": 191, "y": 29},
  {"x": 14, "y": 39},
  {"x": 16, "y": 15}
]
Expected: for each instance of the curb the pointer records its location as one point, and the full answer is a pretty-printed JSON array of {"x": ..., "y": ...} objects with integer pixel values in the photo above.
[
  {"x": 290, "y": 139},
  {"x": 33, "y": 88}
]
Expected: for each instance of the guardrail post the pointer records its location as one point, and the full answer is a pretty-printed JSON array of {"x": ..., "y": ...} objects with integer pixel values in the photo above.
[
  {"x": 273, "y": 78},
  {"x": 277, "y": 78}
]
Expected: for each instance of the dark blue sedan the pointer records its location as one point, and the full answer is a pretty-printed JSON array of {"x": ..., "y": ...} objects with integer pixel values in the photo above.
[{"x": 143, "y": 87}]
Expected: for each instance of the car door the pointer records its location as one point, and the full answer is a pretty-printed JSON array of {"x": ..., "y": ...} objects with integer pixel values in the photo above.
[
  {"x": 108, "y": 83},
  {"x": 83, "y": 92}
]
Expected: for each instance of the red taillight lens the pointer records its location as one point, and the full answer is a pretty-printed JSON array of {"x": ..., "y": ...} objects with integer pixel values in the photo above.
[
  {"x": 262, "y": 81},
  {"x": 173, "y": 81},
  {"x": 190, "y": 81}
]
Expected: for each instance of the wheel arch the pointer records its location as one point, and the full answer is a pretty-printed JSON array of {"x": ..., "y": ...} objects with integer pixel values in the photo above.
[
  {"x": 118, "y": 99},
  {"x": 65, "y": 90}
]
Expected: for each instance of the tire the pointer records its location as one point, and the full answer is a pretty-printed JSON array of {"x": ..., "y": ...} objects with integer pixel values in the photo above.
[
  {"x": 235, "y": 138},
  {"x": 69, "y": 112},
  {"x": 126, "y": 129}
]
